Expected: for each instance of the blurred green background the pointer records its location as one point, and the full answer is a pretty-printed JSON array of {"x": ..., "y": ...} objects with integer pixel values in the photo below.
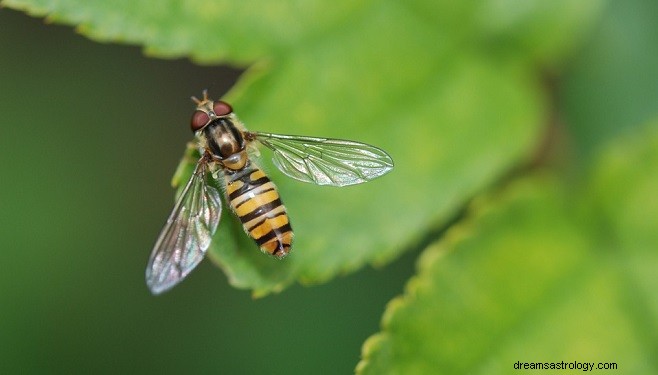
[{"x": 91, "y": 135}]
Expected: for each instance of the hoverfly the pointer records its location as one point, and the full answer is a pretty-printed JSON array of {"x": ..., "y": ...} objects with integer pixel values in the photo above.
[{"x": 223, "y": 143}]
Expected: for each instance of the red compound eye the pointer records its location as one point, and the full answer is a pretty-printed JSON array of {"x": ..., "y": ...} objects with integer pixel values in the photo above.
[
  {"x": 222, "y": 108},
  {"x": 199, "y": 120}
]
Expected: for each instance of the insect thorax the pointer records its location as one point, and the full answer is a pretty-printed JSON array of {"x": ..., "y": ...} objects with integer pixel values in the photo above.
[{"x": 225, "y": 143}]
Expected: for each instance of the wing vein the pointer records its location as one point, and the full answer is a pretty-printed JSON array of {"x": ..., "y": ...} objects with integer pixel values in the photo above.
[
  {"x": 187, "y": 233},
  {"x": 326, "y": 161}
]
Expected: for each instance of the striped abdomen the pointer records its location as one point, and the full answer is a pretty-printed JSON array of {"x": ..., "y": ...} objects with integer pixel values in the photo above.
[{"x": 255, "y": 200}]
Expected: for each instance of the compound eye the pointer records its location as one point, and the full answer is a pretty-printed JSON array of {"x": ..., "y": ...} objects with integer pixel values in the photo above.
[
  {"x": 222, "y": 108},
  {"x": 199, "y": 120}
]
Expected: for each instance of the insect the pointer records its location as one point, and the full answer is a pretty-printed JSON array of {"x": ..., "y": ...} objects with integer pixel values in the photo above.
[{"x": 224, "y": 145}]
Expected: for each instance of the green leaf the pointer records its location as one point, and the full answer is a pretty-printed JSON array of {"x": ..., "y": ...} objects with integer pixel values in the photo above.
[
  {"x": 454, "y": 108},
  {"x": 532, "y": 29},
  {"x": 208, "y": 31},
  {"x": 339, "y": 230},
  {"x": 607, "y": 91},
  {"x": 625, "y": 202},
  {"x": 527, "y": 279}
]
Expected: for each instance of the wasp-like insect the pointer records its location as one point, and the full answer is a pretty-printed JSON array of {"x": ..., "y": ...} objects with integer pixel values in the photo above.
[{"x": 223, "y": 143}]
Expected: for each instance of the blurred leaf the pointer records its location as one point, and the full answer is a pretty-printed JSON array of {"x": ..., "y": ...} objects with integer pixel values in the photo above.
[
  {"x": 544, "y": 31},
  {"x": 527, "y": 280},
  {"x": 480, "y": 288},
  {"x": 610, "y": 88},
  {"x": 625, "y": 204},
  {"x": 453, "y": 110}
]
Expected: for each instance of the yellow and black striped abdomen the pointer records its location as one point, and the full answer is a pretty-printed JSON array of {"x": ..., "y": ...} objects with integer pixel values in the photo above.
[{"x": 255, "y": 200}]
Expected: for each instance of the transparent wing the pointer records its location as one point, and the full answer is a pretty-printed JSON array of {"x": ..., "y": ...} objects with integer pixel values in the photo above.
[
  {"x": 187, "y": 233},
  {"x": 326, "y": 161}
]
